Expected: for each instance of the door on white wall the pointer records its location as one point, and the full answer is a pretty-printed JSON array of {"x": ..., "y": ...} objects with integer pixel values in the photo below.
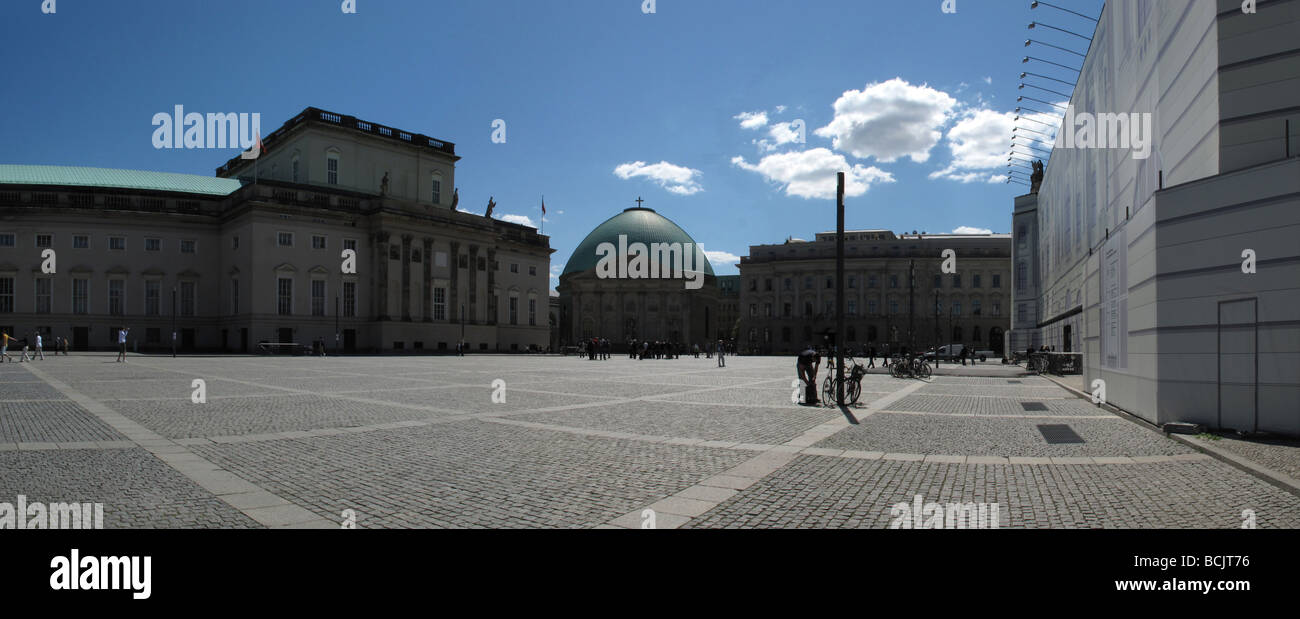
[{"x": 1238, "y": 365}]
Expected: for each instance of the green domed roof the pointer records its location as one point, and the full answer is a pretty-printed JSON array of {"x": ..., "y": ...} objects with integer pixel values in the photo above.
[{"x": 641, "y": 225}]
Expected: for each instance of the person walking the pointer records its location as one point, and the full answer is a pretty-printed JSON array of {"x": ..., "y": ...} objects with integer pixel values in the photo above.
[
  {"x": 722, "y": 357},
  {"x": 121, "y": 344},
  {"x": 4, "y": 347},
  {"x": 25, "y": 357},
  {"x": 40, "y": 347},
  {"x": 64, "y": 342},
  {"x": 871, "y": 357}
]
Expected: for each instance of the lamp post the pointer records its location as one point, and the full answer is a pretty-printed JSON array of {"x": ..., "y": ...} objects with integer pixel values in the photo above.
[
  {"x": 336, "y": 324},
  {"x": 173, "y": 322},
  {"x": 937, "y": 327},
  {"x": 462, "y": 328}
]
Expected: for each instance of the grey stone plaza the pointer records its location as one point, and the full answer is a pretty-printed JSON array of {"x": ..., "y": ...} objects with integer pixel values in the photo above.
[{"x": 432, "y": 442}]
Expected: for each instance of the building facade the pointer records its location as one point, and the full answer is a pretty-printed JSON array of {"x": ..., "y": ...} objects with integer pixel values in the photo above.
[
  {"x": 898, "y": 294},
  {"x": 1178, "y": 274},
  {"x": 343, "y": 231},
  {"x": 623, "y": 309}
]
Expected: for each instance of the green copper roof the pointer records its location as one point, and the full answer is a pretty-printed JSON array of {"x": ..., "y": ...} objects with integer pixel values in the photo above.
[
  {"x": 641, "y": 225},
  {"x": 118, "y": 179}
]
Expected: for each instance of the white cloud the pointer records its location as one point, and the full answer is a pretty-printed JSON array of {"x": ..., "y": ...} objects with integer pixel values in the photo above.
[
  {"x": 721, "y": 258},
  {"x": 780, "y": 109},
  {"x": 752, "y": 120},
  {"x": 519, "y": 219},
  {"x": 676, "y": 179},
  {"x": 785, "y": 133},
  {"x": 970, "y": 230},
  {"x": 980, "y": 143},
  {"x": 988, "y": 80},
  {"x": 811, "y": 173},
  {"x": 889, "y": 120}
]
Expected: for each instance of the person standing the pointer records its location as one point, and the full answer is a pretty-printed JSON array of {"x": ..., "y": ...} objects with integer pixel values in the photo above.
[
  {"x": 4, "y": 347},
  {"x": 121, "y": 344},
  {"x": 40, "y": 347},
  {"x": 64, "y": 342},
  {"x": 722, "y": 358}
]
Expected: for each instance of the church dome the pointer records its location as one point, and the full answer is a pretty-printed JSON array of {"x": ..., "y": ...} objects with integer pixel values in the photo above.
[{"x": 641, "y": 225}]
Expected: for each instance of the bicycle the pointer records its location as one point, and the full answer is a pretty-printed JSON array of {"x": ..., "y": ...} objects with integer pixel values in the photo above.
[
  {"x": 1037, "y": 364},
  {"x": 852, "y": 383},
  {"x": 910, "y": 367}
]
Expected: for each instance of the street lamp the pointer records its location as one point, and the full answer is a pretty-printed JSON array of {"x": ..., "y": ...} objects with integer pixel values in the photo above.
[
  {"x": 336, "y": 324},
  {"x": 173, "y": 322}
]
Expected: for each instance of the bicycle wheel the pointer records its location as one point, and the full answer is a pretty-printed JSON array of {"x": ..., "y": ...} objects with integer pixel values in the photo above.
[
  {"x": 923, "y": 371},
  {"x": 853, "y": 391},
  {"x": 828, "y": 390}
]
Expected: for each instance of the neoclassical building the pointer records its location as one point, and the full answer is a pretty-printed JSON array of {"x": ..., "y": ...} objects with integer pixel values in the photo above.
[
  {"x": 623, "y": 308},
  {"x": 257, "y": 253},
  {"x": 787, "y": 292}
]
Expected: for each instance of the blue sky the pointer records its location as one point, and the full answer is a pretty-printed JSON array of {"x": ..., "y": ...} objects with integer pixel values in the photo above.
[{"x": 692, "y": 107}]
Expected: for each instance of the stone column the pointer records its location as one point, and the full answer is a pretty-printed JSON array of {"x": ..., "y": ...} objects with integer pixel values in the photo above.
[
  {"x": 453, "y": 292},
  {"x": 381, "y": 279},
  {"x": 406, "y": 277},
  {"x": 428, "y": 279},
  {"x": 494, "y": 312},
  {"x": 473, "y": 283}
]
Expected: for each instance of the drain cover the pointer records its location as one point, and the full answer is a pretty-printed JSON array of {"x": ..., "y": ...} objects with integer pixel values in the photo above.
[
  {"x": 1058, "y": 434},
  {"x": 1034, "y": 406},
  {"x": 1014, "y": 382}
]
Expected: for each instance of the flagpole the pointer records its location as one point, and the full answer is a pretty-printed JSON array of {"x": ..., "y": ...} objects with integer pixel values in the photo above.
[{"x": 543, "y": 230}]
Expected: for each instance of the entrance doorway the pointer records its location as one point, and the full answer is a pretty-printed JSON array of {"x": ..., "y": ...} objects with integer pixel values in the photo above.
[
  {"x": 80, "y": 338},
  {"x": 1068, "y": 344},
  {"x": 1239, "y": 365}
]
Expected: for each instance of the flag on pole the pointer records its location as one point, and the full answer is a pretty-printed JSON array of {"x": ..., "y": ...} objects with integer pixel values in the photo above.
[{"x": 543, "y": 230}]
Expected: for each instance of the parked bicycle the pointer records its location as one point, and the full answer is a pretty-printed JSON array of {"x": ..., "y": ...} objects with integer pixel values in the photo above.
[
  {"x": 910, "y": 367},
  {"x": 852, "y": 382}
]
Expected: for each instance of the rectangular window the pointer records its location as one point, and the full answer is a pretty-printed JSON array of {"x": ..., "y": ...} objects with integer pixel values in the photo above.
[
  {"x": 871, "y": 281},
  {"x": 938, "y": 281},
  {"x": 317, "y": 297},
  {"x": 1022, "y": 315},
  {"x": 80, "y": 296},
  {"x": 437, "y": 192},
  {"x": 44, "y": 292},
  {"x": 871, "y": 308},
  {"x": 349, "y": 299},
  {"x": 152, "y": 297},
  {"x": 975, "y": 307},
  {"x": 997, "y": 309},
  {"x": 7, "y": 240},
  {"x": 153, "y": 244},
  {"x": 853, "y": 308},
  {"x": 956, "y": 308},
  {"x": 81, "y": 241},
  {"x": 234, "y": 296},
  {"x": 295, "y": 170},
  {"x": 317, "y": 241},
  {"x": 234, "y": 242},
  {"x": 187, "y": 246},
  {"x": 116, "y": 297},
  {"x": 44, "y": 240},
  {"x": 532, "y": 270},
  {"x": 284, "y": 239},
  {"x": 514, "y": 310},
  {"x": 767, "y": 310},
  {"x": 118, "y": 243},
  {"x": 350, "y": 244},
  {"x": 956, "y": 280},
  {"x": 332, "y": 170},
  {"x": 786, "y": 310},
  {"x": 893, "y": 306},
  {"x": 753, "y": 310},
  {"x": 514, "y": 268},
  {"x": 284, "y": 296},
  {"x": 6, "y": 295},
  {"x": 893, "y": 281},
  {"x": 853, "y": 282},
  {"x": 997, "y": 281},
  {"x": 189, "y": 304},
  {"x": 532, "y": 312},
  {"x": 975, "y": 281},
  {"x": 439, "y": 303}
]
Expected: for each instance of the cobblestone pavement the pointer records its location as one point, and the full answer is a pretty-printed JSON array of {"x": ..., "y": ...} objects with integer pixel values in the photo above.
[{"x": 399, "y": 442}]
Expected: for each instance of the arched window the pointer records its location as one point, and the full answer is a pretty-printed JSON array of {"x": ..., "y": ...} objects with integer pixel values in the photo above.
[{"x": 296, "y": 167}]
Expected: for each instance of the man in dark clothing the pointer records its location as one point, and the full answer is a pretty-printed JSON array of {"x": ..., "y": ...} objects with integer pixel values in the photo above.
[
  {"x": 871, "y": 357},
  {"x": 806, "y": 367}
]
